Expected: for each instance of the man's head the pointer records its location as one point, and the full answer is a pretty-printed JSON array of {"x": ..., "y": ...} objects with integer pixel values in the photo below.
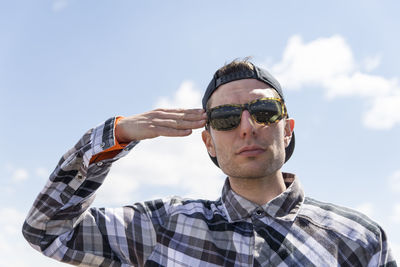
[{"x": 260, "y": 141}]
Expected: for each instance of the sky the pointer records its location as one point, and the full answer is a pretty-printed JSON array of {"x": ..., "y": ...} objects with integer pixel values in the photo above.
[{"x": 68, "y": 65}]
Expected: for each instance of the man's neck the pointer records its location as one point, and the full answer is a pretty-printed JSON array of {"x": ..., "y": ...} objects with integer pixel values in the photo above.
[{"x": 259, "y": 190}]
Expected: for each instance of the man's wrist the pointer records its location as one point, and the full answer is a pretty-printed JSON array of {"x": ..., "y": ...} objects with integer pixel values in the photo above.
[{"x": 119, "y": 136}]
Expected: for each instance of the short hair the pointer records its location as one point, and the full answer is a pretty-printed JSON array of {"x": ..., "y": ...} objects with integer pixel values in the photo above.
[{"x": 235, "y": 65}]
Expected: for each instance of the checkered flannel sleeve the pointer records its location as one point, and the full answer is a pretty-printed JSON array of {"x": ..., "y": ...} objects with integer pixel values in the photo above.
[{"x": 61, "y": 225}]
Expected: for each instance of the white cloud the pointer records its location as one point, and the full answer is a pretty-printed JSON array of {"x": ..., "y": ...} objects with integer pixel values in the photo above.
[
  {"x": 309, "y": 64},
  {"x": 396, "y": 251},
  {"x": 42, "y": 173},
  {"x": 14, "y": 251},
  {"x": 187, "y": 96},
  {"x": 120, "y": 187},
  {"x": 384, "y": 112},
  {"x": 10, "y": 227},
  {"x": 358, "y": 84},
  {"x": 372, "y": 62},
  {"x": 328, "y": 63},
  {"x": 165, "y": 164},
  {"x": 394, "y": 181},
  {"x": 366, "y": 208},
  {"x": 396, "y": 213},
  {"x": 20, "y": 175},
  {"x": 11, "y": 221},
  {"x": 13, "y": 245},
  {"x": 59, "y": 5}
]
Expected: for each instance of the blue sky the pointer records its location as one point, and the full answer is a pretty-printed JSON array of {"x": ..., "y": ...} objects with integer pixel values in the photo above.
[{"x": 66, "y": 66}]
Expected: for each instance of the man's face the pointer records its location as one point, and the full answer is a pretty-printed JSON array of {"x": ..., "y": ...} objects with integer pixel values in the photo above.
[{"x": 251, "y": 150}]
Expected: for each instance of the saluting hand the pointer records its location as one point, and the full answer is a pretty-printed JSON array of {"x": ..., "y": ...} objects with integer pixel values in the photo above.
[{"x": 160, "y": 122}]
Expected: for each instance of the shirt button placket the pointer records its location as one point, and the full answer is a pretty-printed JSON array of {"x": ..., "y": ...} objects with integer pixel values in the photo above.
[{"x": 260, "y": 217}]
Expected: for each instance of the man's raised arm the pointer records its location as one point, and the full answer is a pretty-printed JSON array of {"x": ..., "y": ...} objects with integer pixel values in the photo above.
[{"x": 60, "y": 223}]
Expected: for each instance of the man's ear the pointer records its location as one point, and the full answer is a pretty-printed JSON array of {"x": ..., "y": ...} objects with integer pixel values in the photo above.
[
  {"x": 289, "y": 127},
  {"x": 206, "y": 136}
]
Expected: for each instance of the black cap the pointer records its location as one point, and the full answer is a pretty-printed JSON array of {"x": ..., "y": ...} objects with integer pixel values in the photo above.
[{"x": 257, "y": 73}]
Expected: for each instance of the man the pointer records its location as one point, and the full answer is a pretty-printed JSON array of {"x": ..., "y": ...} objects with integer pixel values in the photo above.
[{"x": 261, "y": 219}]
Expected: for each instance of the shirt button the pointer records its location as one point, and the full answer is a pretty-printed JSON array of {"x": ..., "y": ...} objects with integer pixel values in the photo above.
[
  {"x": 99, "y": 163},
  {"x": 259, "y": 212}
]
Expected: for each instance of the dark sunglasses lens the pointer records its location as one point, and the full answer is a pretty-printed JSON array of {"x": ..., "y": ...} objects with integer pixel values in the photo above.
[
  {"x": 225, "y": 118},
  {"x": 266, "y": 111}
]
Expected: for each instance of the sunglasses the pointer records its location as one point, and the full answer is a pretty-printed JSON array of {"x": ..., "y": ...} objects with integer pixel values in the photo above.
[{"x": 263, "y": 111}]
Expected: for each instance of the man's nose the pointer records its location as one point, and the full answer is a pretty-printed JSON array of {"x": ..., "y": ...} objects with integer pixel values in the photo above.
[{"x": 247, "y": 125}]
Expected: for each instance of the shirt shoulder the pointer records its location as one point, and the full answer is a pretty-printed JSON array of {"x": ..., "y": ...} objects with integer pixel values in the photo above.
[{"x": 343, "y": 222}]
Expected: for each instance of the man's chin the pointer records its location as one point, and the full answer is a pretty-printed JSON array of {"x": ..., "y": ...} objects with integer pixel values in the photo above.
[
  {"x": 251, "y": 168},
  {"x": 252, "y": 162},
  {"x": 247, "y": 175},
  {"x": 248, "y": 170}
]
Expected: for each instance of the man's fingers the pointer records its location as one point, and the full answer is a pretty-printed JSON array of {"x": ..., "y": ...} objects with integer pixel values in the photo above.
[
  {"x": 179, "y": 114},
  {"x": 179, "y": 124},
  {"x": 167, "y": 131},
  {"x": 181, "y": 110}
]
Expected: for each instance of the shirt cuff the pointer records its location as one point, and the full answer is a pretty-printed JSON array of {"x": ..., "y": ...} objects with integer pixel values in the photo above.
[{"x": 112, "y": 151}]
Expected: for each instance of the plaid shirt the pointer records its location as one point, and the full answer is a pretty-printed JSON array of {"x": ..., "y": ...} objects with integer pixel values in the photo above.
[{"x": 290, "y": 230}]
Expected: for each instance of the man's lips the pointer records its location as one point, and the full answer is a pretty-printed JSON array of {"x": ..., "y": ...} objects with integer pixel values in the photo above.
[{"x": 252, "y": 150}]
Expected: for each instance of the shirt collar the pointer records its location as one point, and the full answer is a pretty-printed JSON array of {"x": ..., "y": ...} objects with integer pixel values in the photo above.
[{"x": 285, "y": 206}]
